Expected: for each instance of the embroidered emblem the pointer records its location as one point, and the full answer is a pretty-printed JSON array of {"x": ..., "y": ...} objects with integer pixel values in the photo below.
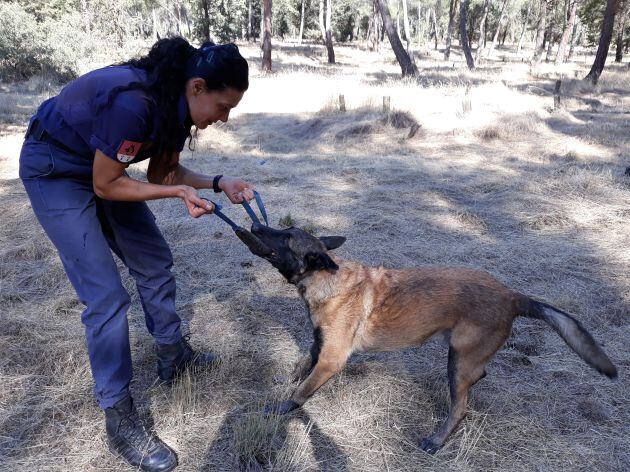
[{"x": 128, "y": 150}]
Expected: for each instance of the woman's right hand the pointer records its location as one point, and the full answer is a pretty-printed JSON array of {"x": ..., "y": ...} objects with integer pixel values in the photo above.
[{"x": 196, "y": 205}]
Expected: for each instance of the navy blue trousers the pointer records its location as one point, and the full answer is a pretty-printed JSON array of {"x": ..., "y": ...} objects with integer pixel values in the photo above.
[{"x": 85, "y": 230}]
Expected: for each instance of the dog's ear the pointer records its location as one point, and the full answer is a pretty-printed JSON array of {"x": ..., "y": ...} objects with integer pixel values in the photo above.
[
  {"x": 319, "y": 261},
  {"x": 332, "y": 242}
]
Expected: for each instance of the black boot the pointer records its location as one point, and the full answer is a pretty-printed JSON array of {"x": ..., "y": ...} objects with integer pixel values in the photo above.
[
  {"x": 173, "y": 359},
  {"x": 128, "y": 438}
]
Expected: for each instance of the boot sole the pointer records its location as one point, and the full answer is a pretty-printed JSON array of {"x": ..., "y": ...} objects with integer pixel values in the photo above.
[{"x": 118, "y": 455}]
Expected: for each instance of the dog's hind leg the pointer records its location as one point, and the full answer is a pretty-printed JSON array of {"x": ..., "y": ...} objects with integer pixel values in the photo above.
[{"x": 466, "y": 365}]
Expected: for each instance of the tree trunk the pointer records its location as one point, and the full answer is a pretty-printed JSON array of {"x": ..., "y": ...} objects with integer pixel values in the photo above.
[
  {"x": 482, "y": 31},
  {"x": 520, "y": 40},
  {"x": 301, "y": 23},
  {"x": 435, "y": 27},
  {"x": 576, "y": 34},
  {"x": 249, "y": 20},
  {"x": 496, "y": 33},
  {"x": 407, "y": 27},
  {"x": 540, "y": 33},
  {"x": 406, "y": 64},
  {"x": 329, "y": 44},
  {"x": 612, "y": 6},
  {"x": 566, "y": 33},
  {"x": 266, "y": 46},
  {"x": 449, "y": 32},
  {"x": 206, "y": 20},
  {"x": 322, "y": 23},
  {"x": 463, "y": 33},
  {"x": 621, "y": 26},
  {"x": 550, "y": 36}
]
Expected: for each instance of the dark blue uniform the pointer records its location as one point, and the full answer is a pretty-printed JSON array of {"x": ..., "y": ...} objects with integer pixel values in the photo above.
[{"x": 56, "y": 169}]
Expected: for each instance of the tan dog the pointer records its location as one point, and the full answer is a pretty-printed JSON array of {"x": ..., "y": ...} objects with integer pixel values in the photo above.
[{"x": 355, "y": 308}]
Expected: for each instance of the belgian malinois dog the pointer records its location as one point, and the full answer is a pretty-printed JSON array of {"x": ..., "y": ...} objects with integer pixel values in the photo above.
[{"x": 355, "y": 308}]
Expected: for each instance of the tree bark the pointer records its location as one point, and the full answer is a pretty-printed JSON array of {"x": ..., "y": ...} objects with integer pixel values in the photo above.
[
  {"x": 612, "y": 6},
  {"x": 435, "y": 27},
  {"x": 322, "y": 22},
  {"x": 266, "y": 45},
  {"x": 406, "y": 64},
  {"x": 566, "y": 33},
  {"x": 249, "y": 20},
  {"x": 496, "y": 33},
  {"x": 449, "y": 32},
  {"x": 520, "y": 40},
  {"x": 301, "y": 23},
  {"x": 329, "y": 44},
  {"x": 621, "y": 26},
  {"x": 206, "y": 19},
  {"x": 482, "y": 31},
  {"x": 407, "y": 27},
  {"x": 463, "y": 33},
  {"x": 552, "y": 25},
  {"x": 540, "y": 33}
]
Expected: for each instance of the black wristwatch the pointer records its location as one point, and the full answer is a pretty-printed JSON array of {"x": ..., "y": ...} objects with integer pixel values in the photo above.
[{"x": 215, "y": 183}]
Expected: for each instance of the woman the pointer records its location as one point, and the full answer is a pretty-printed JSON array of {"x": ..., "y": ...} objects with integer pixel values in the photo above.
[{"x": 73, "y": 163}]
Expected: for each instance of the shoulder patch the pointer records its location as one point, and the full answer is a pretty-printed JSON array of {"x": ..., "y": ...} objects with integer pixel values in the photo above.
[{"x": 128, "y": 150}]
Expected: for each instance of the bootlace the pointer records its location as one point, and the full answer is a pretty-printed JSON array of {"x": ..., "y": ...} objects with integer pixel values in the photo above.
[
  {"x": 132, "y": 428},
  {"x": 189, "y": 353}
]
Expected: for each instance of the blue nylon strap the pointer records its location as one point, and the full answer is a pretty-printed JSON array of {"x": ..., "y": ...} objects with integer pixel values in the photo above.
[
  {"x": 261, "y": 207},
  {"x": 250, "y": 212},
  {"x": 217, "y": 211}
]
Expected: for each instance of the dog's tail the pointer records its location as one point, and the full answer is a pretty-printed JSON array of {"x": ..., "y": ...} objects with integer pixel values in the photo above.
[{"x": 573, "y": 334}]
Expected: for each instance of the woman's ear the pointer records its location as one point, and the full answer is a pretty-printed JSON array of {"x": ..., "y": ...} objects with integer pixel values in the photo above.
[
  {"x": 319, "y": 261},
  {"x": 197, "y": 86}
]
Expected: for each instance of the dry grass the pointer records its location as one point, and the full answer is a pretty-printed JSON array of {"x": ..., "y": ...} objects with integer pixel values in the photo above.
[{"x": 494, "y": 178}]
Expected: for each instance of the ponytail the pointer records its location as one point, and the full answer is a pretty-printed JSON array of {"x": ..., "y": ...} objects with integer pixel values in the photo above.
[{"x": 169, "y": 64}]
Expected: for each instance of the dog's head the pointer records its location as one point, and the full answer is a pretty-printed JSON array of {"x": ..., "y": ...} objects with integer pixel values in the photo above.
[{"x": 293, "y": 251}]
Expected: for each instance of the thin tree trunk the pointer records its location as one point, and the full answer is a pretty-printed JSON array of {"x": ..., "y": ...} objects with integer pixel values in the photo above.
[
  {"x": 496, "y": 32},
  {"x": 566, "y": 33},
  {"x": 540, "y": 33},
  {"x": 322, "y": 23},
  {"x": 329, "y": 44},
  {"x": 520, "y": 40},
  {"x": 406, "y": 64},
  {"x": 576, "y": 34},
  {"x": 407, "y": 27},
  {"x": 435, "y": 27},
  {"x": 550, "y": 36},
  {"x": 482, "y": 31},
  {"x": 206, "y": 19},
  {"x": 249, "y": 20},
  {"x": 449, "y": 32},
  {"x": 463, "y": 34},
  {"x": 266, "y": 46},
  {"x": 621, "y": 26},
  {"x": 301, "y": 23},
  {"x": 612, "y": 6}
]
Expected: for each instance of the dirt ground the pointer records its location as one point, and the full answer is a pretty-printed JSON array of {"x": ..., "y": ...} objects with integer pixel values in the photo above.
[{"x": 493, "y": 178}]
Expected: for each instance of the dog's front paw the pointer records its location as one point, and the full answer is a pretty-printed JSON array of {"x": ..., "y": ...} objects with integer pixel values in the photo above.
[
  {"x": 429, "y": 446},
  {"x": 280, "y": 408}
]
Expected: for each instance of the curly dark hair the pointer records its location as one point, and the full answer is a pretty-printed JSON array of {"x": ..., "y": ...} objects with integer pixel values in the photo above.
[{"x": 169, "y": 64}]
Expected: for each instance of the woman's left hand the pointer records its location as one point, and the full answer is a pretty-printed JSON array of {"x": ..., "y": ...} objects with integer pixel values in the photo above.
[{"x": 236, "y": 189}]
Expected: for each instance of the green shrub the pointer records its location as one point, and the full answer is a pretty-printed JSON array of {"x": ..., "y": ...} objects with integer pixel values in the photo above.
[{"x": 54, "y": 48}]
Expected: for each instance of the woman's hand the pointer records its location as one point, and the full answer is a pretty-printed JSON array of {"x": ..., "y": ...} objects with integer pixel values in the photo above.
[
  {"x": 236, "y": 189},
  {"x": 196, "y": 205}
]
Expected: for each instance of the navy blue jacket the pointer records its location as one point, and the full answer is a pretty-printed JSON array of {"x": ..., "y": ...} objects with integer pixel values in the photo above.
[{"x": 124, "y": 131}]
